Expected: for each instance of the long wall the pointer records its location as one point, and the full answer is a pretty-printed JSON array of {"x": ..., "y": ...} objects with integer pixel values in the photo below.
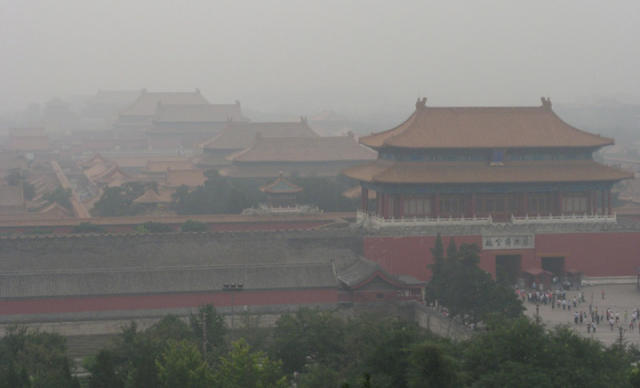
[
  {"x": 88, "y": 274},
  {"x": 593, "y": 254}
]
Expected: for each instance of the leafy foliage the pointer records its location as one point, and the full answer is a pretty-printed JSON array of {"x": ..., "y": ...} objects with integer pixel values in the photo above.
[
  {"x": 87, "y": 227},
  {"x": 522, "y": 353},
  {"x": 326, "y": 351},
  {"x": 467, "y": 291},
  {"x": 244, "y": 368},
  {"x": 430, "y": 365},
  {"x": 181, "y": 365},
  {"x": 209, "y": 329},
  {"x": 194, "y": 226},
  {"x": 60, "y": 196},
  {"x": 308, "y": 336},
  {"x": 154, "y": 227},
  {"x": 28, "y": 190},
  {"x": 217, "y": 195},
  {"x": 118, "y": 201},
  {"x": 34, "y": 359}
]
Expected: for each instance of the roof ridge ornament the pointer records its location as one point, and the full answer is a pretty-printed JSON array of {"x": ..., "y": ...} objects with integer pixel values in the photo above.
[
  {"x": 546, "y": 102},
  {"x": 421, "y": 103}
]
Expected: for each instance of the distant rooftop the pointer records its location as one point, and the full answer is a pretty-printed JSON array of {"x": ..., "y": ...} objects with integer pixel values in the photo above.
[
  {"x": 147, "y": 103},
  {"x": 238, "y": 136},
  {"x": 305, "y": 149},
  {"x": 200, "y": 113}
]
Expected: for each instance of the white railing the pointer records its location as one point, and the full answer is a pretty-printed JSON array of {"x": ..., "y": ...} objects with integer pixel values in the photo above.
[
  {"x": 375, "y": 220},
  {"x": 565, "y": 218}
]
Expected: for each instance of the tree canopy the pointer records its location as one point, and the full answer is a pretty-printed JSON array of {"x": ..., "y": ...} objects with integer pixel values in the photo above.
[{"x": 467, "y": 291}]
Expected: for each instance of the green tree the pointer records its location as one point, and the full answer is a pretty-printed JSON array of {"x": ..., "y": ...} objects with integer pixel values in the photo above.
[
  {"x": 155, "y": 227},
  {"x": 469, "y": 292},
  {"x": 135, "y": 352},
  {"x": 60, "y": 196},
  {"x": 118, "y": 201},
  {"x": 104, "y": 373},
  {"x": 247, "y": 369},
  {"x": 29, "y": 190},
  {"x": 452, "y": 250},
  {"x": 522, "y": 353},
  {"x": 437, "y": 252},
  {"x": 194, "y": 226},
  {"x": 308, "y": 336},
  {"x": 87, "y": 227},
  {"x": 31, "y": 358},
  {"x": 181, "y": 365},
  {"x": 430, "y": 365},
  {"x": 209, "y": 330},
  {"x": 217, "y": 195}
]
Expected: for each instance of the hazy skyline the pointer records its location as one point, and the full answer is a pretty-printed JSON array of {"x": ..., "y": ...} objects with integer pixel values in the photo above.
[{"x": 360, "y": 56}]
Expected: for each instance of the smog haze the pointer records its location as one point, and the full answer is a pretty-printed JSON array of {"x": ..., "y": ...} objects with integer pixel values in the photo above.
[{"x": 358, "y": 56}]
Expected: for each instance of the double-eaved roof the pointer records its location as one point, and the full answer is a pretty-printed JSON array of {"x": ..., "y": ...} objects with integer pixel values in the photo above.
[
  {"x": 467, "y": 128},
  {"x": 484, "y": 127}
]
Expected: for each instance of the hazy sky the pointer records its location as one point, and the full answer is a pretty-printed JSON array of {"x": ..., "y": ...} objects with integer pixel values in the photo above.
[{"x": 359, "y": 56}]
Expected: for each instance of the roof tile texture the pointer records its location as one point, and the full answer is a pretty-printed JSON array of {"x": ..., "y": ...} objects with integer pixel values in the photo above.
[
  {"x": 309, "y": 149},
  {"x": 484, "y": 127},
  {"x": 481, "y": 172}
]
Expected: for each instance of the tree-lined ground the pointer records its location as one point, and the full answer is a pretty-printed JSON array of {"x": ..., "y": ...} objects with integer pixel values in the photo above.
[{"x": 320, "y": 349}]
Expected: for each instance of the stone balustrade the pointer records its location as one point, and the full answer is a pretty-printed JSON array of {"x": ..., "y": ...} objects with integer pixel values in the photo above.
[
  {"x": 375, "y": 221},
  {"x": 565, "y": 218}
]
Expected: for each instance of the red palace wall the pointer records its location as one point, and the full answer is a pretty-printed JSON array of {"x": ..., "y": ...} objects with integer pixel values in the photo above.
[
  {"x": 166, "y": 301},
  {"x": 593, "y": 254}
]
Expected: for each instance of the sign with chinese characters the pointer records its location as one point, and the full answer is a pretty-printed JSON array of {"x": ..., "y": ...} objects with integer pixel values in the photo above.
[{"x": 509, "y": 241}]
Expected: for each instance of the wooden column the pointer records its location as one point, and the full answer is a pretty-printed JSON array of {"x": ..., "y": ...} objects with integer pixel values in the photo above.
[
  {"x": 473, "y": 204},
  {"x": 398, "y": 207},
  {"x": 364, "y": 196},
  {"x": 559, "y": 202},
  {"x": 436, "y": 205},
  {"x": 385, "y": 205}
]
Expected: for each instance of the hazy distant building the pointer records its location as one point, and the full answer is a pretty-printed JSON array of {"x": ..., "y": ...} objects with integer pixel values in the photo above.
[
  {"x": 187, "y": 125},
  {"x": 11, "y": 200},
  {"x": 139, "y": 114},
  {"x": 107, "y": 104},
  {"x": 173, "y": 173},
  {"x": 239, "y": 136},
  {"x": 28, "y": 140},
  {"x": 301, "y": 156}
]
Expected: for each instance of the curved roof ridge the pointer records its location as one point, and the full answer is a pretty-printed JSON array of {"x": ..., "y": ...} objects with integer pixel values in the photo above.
[{"x": 485, "y": 127}]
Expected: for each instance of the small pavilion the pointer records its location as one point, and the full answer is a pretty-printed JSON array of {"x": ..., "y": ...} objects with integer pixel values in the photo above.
[{"x": 281, "y": 192}]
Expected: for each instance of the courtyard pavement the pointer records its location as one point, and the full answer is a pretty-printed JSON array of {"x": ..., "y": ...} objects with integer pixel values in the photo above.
[{"x": 619, "y": 298}]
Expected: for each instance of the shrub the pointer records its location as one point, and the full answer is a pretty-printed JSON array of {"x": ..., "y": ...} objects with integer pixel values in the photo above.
[
  {"x": 155, "y": 227},
  {"x": 194, "y": 226},
  {"x": 87, "y": 227}
]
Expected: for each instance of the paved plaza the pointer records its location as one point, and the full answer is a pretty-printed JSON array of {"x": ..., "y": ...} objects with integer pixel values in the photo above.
[{"x": 618, "y": 298}]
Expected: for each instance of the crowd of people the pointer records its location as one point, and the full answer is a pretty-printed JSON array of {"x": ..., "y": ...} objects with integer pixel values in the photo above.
[{"x": 591, "y": 316}]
